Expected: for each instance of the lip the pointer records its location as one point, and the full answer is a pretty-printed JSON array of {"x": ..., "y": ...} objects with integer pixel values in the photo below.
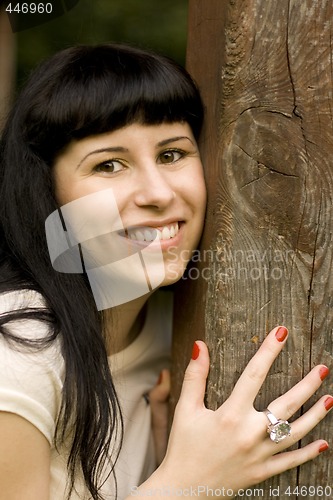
[{"x": 154, "y": 224}]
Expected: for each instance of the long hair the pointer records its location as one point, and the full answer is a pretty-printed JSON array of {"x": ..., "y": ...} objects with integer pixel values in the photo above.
[{"x": 78, "y": 92}]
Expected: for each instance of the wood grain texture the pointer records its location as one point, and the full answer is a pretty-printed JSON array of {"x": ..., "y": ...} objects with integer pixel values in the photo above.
[
  {"x": 7, "y": 66},
  {"x": 265, "y": 71}
]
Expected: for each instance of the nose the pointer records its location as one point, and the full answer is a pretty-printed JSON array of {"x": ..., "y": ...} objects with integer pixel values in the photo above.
[{"x": 154, "y": 189}]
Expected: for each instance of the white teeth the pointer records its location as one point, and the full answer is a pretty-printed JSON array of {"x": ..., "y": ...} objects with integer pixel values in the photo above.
[
  {"x": 165, "y": 233},
  {"x": 149, "y": 235},
  {"x": 139, "y": 236},
  {"x": 146, "y": 234}
]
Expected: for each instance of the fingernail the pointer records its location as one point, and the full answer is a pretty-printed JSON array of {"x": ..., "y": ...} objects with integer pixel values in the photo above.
[
  {"x": 323, "y": 447},
  {"x": 281, "y": 333},
  {"x": 159, "y": 379},
  {"x": 328, "y": 403},
  {"x": 195, "y": 351},
  {"x": 323, "y": 372}
]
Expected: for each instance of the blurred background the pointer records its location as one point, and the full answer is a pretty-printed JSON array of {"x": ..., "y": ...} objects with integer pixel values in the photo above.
[{"x": 160, "y": 25}]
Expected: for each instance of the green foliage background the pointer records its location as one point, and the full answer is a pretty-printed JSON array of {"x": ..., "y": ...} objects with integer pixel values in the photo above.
[{"x": 157, "y": 24}]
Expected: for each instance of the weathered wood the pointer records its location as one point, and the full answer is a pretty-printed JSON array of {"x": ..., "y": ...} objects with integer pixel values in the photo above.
[
  {"x": 190, "y": 300},
  {"x": 265, "y": 70},
  {"x": 7, "y": 65}
]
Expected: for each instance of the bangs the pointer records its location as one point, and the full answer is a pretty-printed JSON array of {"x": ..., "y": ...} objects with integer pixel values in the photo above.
[{"x": 103, "y": 88}]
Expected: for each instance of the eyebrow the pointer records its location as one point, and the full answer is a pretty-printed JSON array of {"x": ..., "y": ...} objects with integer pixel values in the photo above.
[
  {"x": 119, "y": 149},
  {"x": 103, "y": 150},
  {"x": 173, "y": 139}
]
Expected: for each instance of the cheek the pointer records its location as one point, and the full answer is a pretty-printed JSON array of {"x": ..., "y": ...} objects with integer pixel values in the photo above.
[
  {"x": 195, "y": 192},
  {"x": 69, "y": 188},
  {"x": 203, "y": 195},
  {"x": 63, "y": 195},
  {"x": 65, "y": 187}
]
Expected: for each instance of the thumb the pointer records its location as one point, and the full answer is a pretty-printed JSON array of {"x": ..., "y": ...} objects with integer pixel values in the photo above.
[{"x": 194, "y": 385}]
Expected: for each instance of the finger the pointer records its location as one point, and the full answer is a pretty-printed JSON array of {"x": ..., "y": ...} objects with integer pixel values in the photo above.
[
  {"x": 290, "y": 459},
  {"x": 159, "y": 412},
  {"x": 194, "y": 384},
  {"x": 161, "y": 392},
  {"x": 304, "y": 424},
  {"x": 252, "y": 378},
  {"x": 289, "y": 403}
]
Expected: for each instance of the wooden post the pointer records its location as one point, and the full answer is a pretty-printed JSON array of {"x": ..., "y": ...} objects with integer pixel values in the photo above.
[
  {"x": 7, "y": 65},
  {"x": 265, "y": 71}
]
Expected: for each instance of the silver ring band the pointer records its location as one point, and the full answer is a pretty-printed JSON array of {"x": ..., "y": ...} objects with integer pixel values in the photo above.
[{"x": 277, "y": 428}]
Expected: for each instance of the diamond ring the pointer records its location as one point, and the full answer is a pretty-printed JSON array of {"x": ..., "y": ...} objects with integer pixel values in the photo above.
[{"x": 277, "y": 429}]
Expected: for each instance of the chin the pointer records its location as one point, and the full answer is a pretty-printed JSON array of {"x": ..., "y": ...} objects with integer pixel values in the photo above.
[{"x": 173, "y": 273}]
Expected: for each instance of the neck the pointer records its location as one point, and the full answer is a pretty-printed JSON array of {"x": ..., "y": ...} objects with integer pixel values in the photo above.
[{"x": 122, "y": 324}]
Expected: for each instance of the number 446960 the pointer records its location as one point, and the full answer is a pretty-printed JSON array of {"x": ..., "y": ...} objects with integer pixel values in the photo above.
[
  {"x": 310, "y": 491},
  {"x": 29, "y": 8}
]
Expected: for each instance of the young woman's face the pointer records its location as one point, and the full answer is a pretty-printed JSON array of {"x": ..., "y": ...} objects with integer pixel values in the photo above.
[{"x": 155, "y": 175}]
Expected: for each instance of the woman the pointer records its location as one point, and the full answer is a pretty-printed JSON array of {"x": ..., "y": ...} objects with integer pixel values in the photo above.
[{"x": 108, "y": 135}]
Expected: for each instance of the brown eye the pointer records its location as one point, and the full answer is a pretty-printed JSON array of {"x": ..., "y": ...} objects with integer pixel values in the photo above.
[
  {"x": 110, "y": 167},
  {"x": 170, "y": 156}
]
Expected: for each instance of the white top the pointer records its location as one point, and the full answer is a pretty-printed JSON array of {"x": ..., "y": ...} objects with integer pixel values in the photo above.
[{"x": 31, "y": 386}]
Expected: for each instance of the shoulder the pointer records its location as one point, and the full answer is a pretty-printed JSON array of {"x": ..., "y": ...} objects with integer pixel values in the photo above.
[
  {"x": 21, "y": 299},
  {"x": 25, "y": 332},
  {"x": 20, "y": 314},
  {"x": 31, "y": 370}
]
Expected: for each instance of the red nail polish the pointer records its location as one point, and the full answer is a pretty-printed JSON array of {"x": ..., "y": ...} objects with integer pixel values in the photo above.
[
  {"x": 323, "y": 447},
  {"x": 195, "y": 351},
  {"x": 328, "y": 403},
  {"x": 323, "y": 372},
  {"x": 281, "y": 333}
]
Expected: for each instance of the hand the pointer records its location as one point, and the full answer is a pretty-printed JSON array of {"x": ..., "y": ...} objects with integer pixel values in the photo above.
[
  {"x": 159, "y": 397},
  {"x": 230, "y": 447}
]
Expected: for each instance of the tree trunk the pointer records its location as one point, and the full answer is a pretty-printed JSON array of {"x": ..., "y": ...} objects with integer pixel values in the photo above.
[
  {"x": 265, "y": 71},
  {"x": 7, "y": 66}
]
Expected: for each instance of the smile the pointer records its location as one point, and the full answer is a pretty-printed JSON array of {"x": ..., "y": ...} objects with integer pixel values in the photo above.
[{"x": 150, "y": 234}]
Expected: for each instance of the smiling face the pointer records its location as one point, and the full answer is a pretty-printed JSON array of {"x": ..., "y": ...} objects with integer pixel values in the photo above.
[{"x": 156, "y": 177}]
